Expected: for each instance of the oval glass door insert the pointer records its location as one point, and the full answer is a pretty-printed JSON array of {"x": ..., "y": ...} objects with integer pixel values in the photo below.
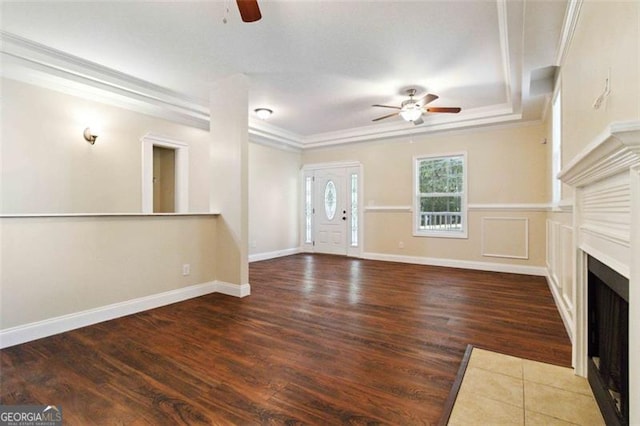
[{"x": 330, "y": 200}]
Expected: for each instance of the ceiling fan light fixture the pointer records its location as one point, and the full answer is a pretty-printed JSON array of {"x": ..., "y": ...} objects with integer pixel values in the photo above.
[
  {"x": 411, "y": 114},
  {"x": 263, "y": 113}
]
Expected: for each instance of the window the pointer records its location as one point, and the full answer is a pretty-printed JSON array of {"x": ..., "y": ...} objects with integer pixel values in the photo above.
[
  {"x": 556, "y": 137},
  {"x": 308, "y": 209},
  {"x": 354, "y": 209},
  {"x": 440, "y": 207},
  {"x": 330, "y": 202}
]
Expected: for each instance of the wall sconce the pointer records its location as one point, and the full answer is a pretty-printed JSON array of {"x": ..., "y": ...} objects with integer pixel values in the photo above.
[
  {"x": 89, "y": 137},
  {"x": 263, "y": 113}
]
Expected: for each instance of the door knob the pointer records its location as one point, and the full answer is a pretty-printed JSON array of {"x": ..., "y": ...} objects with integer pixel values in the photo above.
[{"x": 344, "y": 218}]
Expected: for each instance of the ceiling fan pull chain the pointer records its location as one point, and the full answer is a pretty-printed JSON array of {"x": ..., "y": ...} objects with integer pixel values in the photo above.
[{"x": 226, "y": 11}]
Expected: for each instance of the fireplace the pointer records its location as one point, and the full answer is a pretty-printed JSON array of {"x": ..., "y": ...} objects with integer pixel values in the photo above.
[
  {"x": 605, "y": 182},
  {"x": 608, "y": 341}
]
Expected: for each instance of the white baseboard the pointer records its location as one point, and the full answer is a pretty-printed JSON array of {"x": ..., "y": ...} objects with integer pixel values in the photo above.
[
  {"x": 273, "y": 254},
  {"x": 236, "y": 290},
  {"x": 557, "y": 298},
  {"x": 464, "y": 264},
  {"x": 37, "y": 330}
]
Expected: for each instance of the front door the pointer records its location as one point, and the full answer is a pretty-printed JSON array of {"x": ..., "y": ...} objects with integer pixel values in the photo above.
[
  {"x": 331, "y": 220},
  {"x": 330, "y": 203}
]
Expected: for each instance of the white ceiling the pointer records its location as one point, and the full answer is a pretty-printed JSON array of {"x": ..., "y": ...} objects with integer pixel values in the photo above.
[{"x": 319, "y": 65}]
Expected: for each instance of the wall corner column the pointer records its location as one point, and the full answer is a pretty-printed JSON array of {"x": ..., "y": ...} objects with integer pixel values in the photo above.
[{"x": 228, "y": 193}]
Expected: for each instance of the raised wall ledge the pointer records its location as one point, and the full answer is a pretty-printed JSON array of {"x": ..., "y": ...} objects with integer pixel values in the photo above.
[
  {"x": 56, "y": 215},
  {"x": 613, "y": 151}
]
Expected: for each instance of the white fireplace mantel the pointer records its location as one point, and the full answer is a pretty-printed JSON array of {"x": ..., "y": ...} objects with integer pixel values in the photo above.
[
  {"x": 606, "y": 222},
  {"x": 614, "y": 151}
]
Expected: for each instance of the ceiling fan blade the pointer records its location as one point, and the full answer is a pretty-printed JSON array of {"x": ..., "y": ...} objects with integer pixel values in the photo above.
[
  {"x": 386, "y": 116},
  {"x": 249, "y": 10},
  {"x": 428, "y": 98},
  {"x": 444, "y": 109},
  {"x": 418, "y": 121},
  {"x": 386, "y": 106}
]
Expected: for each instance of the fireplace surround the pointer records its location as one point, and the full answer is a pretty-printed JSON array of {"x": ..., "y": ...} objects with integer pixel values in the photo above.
[{"x": 605, "y": 178}]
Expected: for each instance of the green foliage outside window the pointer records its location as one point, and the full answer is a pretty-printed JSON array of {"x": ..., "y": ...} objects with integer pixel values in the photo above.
[{"x": 441, "y": 186}]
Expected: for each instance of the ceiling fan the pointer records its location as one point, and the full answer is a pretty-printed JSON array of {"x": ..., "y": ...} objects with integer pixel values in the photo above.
[
  {"x": 412, "y": 109},
  {"x": 249, "y": 10}
]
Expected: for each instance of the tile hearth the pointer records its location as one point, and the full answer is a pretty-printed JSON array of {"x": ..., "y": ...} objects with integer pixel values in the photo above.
[{"x": 501, "y": 389}]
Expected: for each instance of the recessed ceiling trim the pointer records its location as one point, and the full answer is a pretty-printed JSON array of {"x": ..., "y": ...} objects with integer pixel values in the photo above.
[
  {"x": 361, "y": 134},
  {"x": 568, "y": 28},
  {"x": 503, "y": 28},
  {"x": 52, "y": 67}
]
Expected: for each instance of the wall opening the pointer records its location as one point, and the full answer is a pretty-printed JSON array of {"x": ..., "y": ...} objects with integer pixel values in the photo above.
[
  {"x": 165, "y": 175},
  {"x": 164, "y": 180}
]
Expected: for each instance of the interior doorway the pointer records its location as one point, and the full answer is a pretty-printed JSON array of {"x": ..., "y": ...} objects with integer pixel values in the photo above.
[
  {"x": 165, "y": 175},
  {"x": 332, "y": 208},
  {"x": 164, "y": 180}
]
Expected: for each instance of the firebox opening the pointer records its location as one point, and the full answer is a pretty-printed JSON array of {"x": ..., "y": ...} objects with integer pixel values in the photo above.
[{"x": 608, "y": 349}]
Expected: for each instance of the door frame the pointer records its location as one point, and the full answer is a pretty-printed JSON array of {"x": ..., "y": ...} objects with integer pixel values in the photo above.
[
  {"x": 181, "y": 173},
  {"x": 309, "y": 169}
]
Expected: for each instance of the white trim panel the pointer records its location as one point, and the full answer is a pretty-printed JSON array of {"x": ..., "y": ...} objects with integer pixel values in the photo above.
[
  {"x": 567, "y": 320},
  {"x": 485, "y": 235}
]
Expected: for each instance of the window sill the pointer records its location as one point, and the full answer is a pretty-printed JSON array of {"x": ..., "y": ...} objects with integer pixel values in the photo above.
[{"x": 456, "y": 235}]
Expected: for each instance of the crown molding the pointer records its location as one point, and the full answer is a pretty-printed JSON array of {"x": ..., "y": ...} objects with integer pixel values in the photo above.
[
  {"x": 377, "y": 132},
  {"x": 35, "y": 63},
  {"x": 503, "y": 30},
  {"x": 266, "y": 134},
  {"x": 568, "y": 29}
]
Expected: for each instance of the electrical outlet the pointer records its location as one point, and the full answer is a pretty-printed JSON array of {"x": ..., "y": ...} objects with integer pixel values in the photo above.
[
  {"x": 186, "y": 269},
  {"x": 401, "y": 244}
]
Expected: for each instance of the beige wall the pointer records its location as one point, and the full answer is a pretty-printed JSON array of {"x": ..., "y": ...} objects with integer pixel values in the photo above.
[
  {"x": 63, "y": 265},
  {"x": 59, "y": 266},
  {"x": 606, "y": 38},
  {"x": 505, "y": 166},
  {"x": 48, "y": 167},
  {"x": 273, "y": 203}
]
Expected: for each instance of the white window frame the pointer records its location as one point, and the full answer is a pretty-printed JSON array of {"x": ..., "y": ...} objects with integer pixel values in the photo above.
[
  {"x": 181, "y": 176},
  {"x": 416, "y": 198}
]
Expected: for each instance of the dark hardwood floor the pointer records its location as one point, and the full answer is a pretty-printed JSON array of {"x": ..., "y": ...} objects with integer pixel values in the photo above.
[{"x": 321, "y": 340}]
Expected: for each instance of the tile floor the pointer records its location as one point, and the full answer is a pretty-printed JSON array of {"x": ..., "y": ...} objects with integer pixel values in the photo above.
[{"x": 501, "y": 389}]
